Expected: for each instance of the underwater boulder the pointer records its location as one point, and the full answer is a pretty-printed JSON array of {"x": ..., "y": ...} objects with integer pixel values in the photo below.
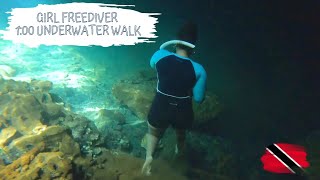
[
  {"x": 106, "y": 116},
  {"x": 19, "y": 107},
  {"x": 110, "y": 124},
  {"x": 113, "y": 115},
  {"x": 22, "y": 111},
  {"x": 125, "y": 144},
  {"x": 29, "y": 107},
  {"x": 69, "y": 147},
  {"x": 7, "y": 86},
  {"x": 208, "y": 110},
  {"x": 21, "y": 121},
  {"x": 11, "y": 171},
  {"x": 137, "y": 97},
  {"x": 53, "y": 111},
  {"x": 36, "y": 164},
  {"x": 7, "y": 135},
  {"x": 50, "y": 165},
  {"x": 39, "y": 138},
  {"x": 40, "y": 85},
  {"x": 83, "y": 131},
  {"x": 51, "y": 136}
]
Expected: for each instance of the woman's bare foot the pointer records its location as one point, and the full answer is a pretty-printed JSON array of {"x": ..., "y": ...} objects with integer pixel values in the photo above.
[{"x": 146, "y": 169}]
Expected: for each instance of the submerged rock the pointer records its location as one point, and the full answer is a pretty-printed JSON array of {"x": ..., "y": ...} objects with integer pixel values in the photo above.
[
  {"x": 22, "y": 111},
  {"x": 105, "y": 117},
  {"x": 115, "y": 116},
  {"x": 28, "y": 106},
  {"x": 39, "y": 138},
  {"x": 53, "y": 111},
  {"x": 83, "y": 131},
  {"x": 52, "y": 137},
  {"x": 7, "y": 135},
  {"x": 137, "y": 97},
  {"x": 125, "y": 144},
  {"x": 43, "y": 86},
  {"x": 36, "y": 164}
]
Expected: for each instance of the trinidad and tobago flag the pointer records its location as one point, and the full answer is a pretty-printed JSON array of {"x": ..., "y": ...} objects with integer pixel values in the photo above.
[{"x": 285, "y": 158}]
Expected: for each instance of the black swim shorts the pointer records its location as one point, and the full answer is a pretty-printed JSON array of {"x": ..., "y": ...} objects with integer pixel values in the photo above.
[{"x": 172, "y": 111}]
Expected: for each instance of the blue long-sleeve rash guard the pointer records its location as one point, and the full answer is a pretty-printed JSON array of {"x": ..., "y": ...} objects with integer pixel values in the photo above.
[{"x": 201, "y": 75}]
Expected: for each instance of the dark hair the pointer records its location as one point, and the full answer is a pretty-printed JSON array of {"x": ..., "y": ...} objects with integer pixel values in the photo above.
[{"x": 189, "y": 33}]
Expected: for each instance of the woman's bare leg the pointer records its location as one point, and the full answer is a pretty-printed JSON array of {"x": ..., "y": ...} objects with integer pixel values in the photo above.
[{"x": 153, "y": 137}]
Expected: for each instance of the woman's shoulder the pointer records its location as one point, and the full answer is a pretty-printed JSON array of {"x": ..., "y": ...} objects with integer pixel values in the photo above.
[{"x": 198, "y": 68}]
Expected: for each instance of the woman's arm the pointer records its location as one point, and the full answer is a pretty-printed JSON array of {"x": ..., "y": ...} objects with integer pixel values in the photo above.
[{"x": 200, "y": 87}]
